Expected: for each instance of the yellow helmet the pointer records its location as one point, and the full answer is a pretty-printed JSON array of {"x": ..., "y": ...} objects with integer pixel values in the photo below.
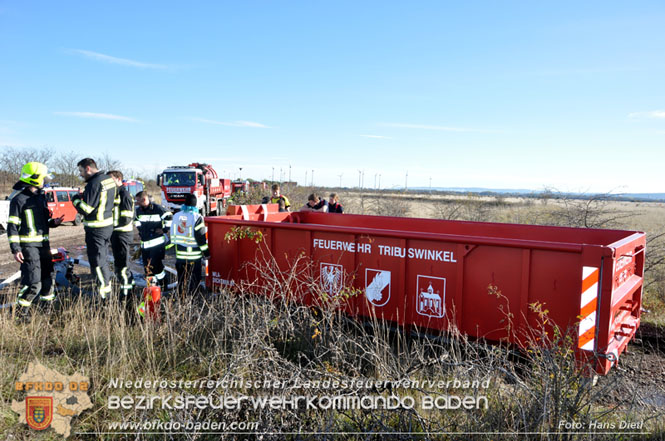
[{"x": 33, "y": 173}]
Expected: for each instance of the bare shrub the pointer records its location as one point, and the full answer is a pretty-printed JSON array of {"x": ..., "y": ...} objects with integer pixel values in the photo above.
[
  {"x": 62, "y": 165},
  {"x": 447, "y": 210},
  {"x": 65, "y": 170},
  {"x": 106, "y": 162},
  {"x": 12, "y": 159},
  {"x": 586, "y": 212},
  {"x": 355, "y": 203},
  {"x": 388, "y": 205},
  {"x": 471, "y": 208},
  {"x": 253, "y": 196}
]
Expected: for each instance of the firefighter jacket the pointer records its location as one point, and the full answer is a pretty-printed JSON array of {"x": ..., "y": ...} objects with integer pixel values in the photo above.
[
  {"x": 123, "y": 211},
  {"x": 29, "y": 218},
  {"x": 188, "y": 233},
  {"x": 153, "y": 222},
  {"x": 276, "y": 200},
  {"x": 96, "y": 202}
]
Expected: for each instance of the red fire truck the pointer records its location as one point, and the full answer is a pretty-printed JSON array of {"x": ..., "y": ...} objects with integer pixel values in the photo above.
[
  {"x": 199, "y": 179},
  {"x": 239, "y": 186},
  {"x": 134, "y": 186}
]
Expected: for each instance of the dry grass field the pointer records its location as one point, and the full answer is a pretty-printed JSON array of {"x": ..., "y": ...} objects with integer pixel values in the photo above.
[{"x": 253, "y": 334}]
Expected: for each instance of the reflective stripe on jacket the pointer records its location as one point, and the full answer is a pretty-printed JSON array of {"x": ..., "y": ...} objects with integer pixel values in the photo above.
[
  {"x": 188, "y": 235},
  {"x": 152, "y": 222},
  {"x": 96, "y": 202},
  {"x": 123, "y": 211},
  {"x": 29, "y": 218}
]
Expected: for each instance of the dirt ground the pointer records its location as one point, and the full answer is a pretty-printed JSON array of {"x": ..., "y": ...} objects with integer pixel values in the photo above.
[
  {"x": 72, "y": 238},
  {"x": 638, "y": 381},
  {"x": 66, "y": 235}
]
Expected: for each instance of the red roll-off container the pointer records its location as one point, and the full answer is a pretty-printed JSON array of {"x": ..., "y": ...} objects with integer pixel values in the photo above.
[
  {"x": 487, "y": 280},
  {"x": 245, "y": 211}
]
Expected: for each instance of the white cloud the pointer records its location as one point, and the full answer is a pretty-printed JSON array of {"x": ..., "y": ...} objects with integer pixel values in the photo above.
[
  {"x": 431, "y": 127},
  {"x": 658, "y": 114},
  {"x": 250, "y": 124},
  {"x": 376, "y": 136},
  {"x": 115, "y": 60},
  {"x": 91, "y": 115}
]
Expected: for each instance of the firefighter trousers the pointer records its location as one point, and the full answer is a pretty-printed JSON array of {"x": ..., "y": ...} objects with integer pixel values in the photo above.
[
  {"x": 189, "y": 276},
  {"x": 97, "y": 240},
  {"x": 153, "y": 263},
  {"x": 120, "y": 243},
  {"x": 37, "y": 275}
]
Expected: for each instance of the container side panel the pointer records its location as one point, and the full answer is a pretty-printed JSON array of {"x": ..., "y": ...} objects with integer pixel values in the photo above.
[
  {"x": 223, "y": 270},
  {"x": 291, "y": 254},
  {"x": 431, "y": 281},
  {"x": 492, "y": 287},
  {"x": 462, "y": 228},
  {"x": 381, "y": 279},
  {"x": 334, "y": 266},
  {"x": 254, "y": 255},
  {"x": 620, "y": 310},
  {"x": 555, "y": 294}
]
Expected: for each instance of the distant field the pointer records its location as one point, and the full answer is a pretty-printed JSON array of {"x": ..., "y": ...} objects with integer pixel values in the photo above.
[{"x": 639, "y": 216}]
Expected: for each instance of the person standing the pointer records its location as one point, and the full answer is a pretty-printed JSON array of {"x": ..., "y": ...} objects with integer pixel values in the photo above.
[
  {"x": 28, "y": 233},
  {"x": 96, "y": 206},
  {"x": 188, "y": 234},
  {"x": 123, "y": 233},
  {"x": 314, "y": 203},
  {"x": 333, "y": 204},
  {"x": 152, "y": 221},
  {"x": 277, "y": 198}
]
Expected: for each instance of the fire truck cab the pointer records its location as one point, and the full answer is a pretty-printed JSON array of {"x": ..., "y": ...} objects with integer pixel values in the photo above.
[
  {"x": 134, "y": 186},
  {"x": 198, "y": 179}
]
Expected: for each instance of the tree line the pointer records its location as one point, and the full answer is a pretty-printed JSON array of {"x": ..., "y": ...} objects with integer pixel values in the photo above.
[{"x": 61, "y": 165}]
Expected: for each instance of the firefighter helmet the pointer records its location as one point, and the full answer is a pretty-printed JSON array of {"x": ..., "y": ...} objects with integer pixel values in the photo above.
[{"x": 33, "y": 173}]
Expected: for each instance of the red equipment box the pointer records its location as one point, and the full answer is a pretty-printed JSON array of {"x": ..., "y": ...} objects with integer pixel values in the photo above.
[
  {"x": 435, "y": 275},
  {"x": 247, "y": 210}
]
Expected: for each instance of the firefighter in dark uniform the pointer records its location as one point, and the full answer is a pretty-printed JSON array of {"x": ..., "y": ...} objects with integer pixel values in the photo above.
[
  {"x": 153, "y": 222},
  {"x": 123, "y": 233},
  {"x": 27, "y": 230},
  {"x": 188, "y": 234},
  {"x": 96, "y": 206},
  {"x": 277, "y": 198}
]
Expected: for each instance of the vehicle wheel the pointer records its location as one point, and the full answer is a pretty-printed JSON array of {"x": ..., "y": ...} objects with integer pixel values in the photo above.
[{"x": 77, "y": 219}]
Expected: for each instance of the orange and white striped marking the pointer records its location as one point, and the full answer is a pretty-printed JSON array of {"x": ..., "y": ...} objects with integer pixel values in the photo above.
[{"x": 589, "y": 303}]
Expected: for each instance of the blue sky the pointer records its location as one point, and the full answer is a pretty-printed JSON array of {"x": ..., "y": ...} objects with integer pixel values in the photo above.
[{"x": 493, "y": 94}]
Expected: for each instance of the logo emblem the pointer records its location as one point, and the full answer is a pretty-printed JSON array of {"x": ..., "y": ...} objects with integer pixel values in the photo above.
[
  {"x": 331, "y": 278},
  {"x": 377, "y": 286},
  {"x": 431, "y": 296},
  {"x": 182, "y": 225},
  {"x": 39, "y": 412}
]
